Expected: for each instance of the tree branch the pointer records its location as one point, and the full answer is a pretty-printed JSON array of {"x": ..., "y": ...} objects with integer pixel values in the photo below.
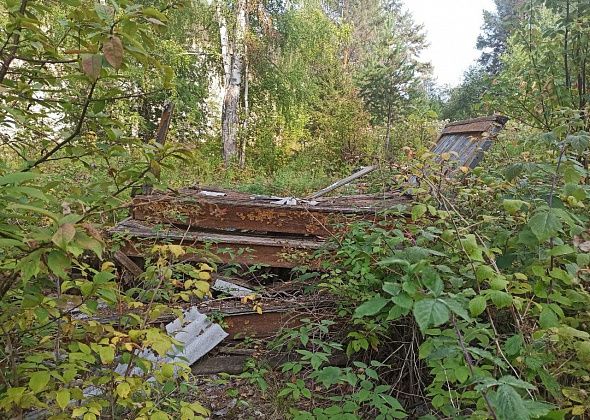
[{"x": 72, "y": 136}]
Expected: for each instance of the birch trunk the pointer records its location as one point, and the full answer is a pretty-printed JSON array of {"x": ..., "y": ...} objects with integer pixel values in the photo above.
[
  {"x": 230, "y": 120},
  {"x": 224, "y": 41}
]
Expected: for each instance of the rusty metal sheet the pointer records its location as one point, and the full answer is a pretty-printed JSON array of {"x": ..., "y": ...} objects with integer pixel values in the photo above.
[{"x": 224, "y": 248}]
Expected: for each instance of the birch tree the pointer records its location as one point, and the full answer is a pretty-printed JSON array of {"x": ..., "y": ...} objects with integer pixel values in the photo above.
[{"x": 233, "y": 57}]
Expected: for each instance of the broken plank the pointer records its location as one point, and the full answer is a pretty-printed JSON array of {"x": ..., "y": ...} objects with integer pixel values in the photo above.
[
  {"x": 128, "y": 263},
  {"x": 221, "y": 248}
]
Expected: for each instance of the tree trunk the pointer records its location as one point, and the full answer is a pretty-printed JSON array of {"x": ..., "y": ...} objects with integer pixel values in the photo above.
[
  {"x": 224, "y": 41},
  {"x": 7, "y": 51},
  {"x": 244, "y": 137},
  {"x": 230, "y": 121}
]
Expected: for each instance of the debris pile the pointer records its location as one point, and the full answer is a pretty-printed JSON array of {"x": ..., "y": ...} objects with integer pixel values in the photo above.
[{"x": 276, "y": 232}]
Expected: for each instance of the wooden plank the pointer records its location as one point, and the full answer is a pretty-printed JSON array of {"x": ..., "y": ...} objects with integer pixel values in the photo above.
[
  {"x": 220, "y": 213},
  {"x": 257, "y": 216},
  {"x": 366, "y": 170},
  {"x": 225, "y": 249},
  {"x": 161, "y": 134},
  {"x": 126, "y": 262}
]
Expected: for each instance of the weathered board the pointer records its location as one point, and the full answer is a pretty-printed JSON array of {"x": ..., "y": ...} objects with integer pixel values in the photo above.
[
  {"x": 242, "y": 212},
  {"x": 224, "y": 248}
]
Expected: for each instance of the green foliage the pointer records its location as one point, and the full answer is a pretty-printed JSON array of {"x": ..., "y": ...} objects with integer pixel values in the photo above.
[
  {"x": 497, "y": 289},
  {"x": 66, "y": 68},
  {"x": 366, "y": 395}
]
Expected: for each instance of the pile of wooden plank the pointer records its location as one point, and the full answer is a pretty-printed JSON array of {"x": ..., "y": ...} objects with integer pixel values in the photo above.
[
  {"x": 229, "y": 227},
  {"x": 244, "y": 229}
]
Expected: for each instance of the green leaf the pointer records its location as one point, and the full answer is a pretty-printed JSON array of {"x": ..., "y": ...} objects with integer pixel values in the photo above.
[
  {"x": 17, "y": 178},
  {"x": 63, "y": 398},
  {"x": 39, "y": 380},
  {"x": 329, "y": 376},
  {"x": 154, "y": 13},
  {"x": 545, "y": 225},
  {"x": 509, "y": 404},
  {"x": 371, "y": 307},
  {"x": 123, "y": 389},
  {"x": 477, "y": 305},
  {"x": 501, "y": 299},
  {"x": 548, "y": 318},
  {"x": 471, "y": 247},
  {"x": 418, "y": 211},
  {"x": 432, "y": 280},
  {"x": 394, "y": 261},
  {"x": 514, "y": 344},
  {"x": 34, "y": 209},
  {"x": 457, "y": 309},
  {"x": 107, "y": 354},
  {"x": 391, "y": 288},
  {"x": 58, "y": 263},
  {"x": 513, "y": 206},
  {"x": 10, "y": 243},
  {"x": 430, "y": 312}
]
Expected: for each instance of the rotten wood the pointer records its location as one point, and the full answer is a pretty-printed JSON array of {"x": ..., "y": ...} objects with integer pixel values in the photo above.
[
  {"x": 218, "y": 213},
  {"x": 128, "y": 263},
  {"x": 161, "y": 134},
  {"x": 198, "y": 209}
]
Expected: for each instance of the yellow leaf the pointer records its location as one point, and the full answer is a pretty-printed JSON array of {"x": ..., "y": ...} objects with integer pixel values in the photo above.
[
  {"x": 206, "y": 267},
  {"x": 578, "y": 410},
  {"x": 107, "y": 266},
  {"x": 203, "y": 275},
  {"x": 202, "y": 286},
  {"x": 176, "y": 250},
  {"x": 123, "y": 389},
  {"x": 464, "y": 169},
  {"x": 445, "y": 156},
  {"x": 248, "y": 298},
  {"x": 258, "y": 308}
]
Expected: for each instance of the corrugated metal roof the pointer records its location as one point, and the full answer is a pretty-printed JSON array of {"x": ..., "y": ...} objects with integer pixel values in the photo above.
[{"x": 467, "y": 140}]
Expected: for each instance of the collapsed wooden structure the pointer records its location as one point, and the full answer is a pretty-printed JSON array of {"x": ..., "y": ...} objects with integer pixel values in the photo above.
[{"x": 230, "y": 227}]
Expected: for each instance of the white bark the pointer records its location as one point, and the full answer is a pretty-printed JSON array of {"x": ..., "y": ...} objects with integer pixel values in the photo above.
[
  {"x": 230, "y": 121},
  {"x": 224, "y": 40}
]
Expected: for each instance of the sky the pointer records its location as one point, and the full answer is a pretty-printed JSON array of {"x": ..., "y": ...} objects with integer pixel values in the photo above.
[{"x": 452, "y": 28}]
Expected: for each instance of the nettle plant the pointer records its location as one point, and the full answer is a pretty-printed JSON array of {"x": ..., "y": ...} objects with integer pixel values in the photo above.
[
  {"x": 331, "y": 391},
  {"x": 493, "y": 269}
]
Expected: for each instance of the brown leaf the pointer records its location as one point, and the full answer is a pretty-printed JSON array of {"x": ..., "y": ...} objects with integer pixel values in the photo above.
[
  {"x": 93, "y": 232},
  {"x": 113, "y": 52},
  {"x": 64, "y": 235},
  {"x": 91, "y": 65},
  {"x": 585, "y": 246}
]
